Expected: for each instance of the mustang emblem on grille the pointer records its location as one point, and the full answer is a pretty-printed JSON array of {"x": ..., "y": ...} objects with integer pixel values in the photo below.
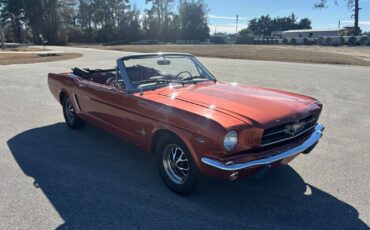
[{"x": 292, "y": 129}]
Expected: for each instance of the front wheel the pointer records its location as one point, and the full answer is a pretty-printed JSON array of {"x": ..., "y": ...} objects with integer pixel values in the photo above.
[
  {"x": 176, "y": 166},
  {"x": 70, "y": 116}
]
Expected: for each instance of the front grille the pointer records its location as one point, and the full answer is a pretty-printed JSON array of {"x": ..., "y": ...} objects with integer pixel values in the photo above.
[{"x": 288, "y": 130}]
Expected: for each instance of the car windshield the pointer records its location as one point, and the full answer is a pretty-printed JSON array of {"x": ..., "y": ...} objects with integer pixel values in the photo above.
[{"x": 148, "y": 71}]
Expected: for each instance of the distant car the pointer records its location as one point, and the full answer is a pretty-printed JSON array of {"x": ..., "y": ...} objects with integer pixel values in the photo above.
[{"x": 172, "y": 106}]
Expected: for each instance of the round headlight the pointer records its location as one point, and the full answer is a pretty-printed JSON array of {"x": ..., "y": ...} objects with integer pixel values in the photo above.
[{"x": 230, "y": 140}]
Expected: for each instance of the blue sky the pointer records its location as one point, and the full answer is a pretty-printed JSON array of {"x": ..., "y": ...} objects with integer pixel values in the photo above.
[{"x": 222, "y": 12}]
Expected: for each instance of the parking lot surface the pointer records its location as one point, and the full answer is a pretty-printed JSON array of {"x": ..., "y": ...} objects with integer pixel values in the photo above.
[{"x": 52, "y": 177}]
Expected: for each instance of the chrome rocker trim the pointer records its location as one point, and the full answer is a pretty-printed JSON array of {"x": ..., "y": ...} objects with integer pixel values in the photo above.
[{"x": 313, "y": 139}]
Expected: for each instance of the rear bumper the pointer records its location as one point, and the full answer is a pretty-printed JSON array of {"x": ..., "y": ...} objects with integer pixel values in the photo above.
[{"x": 310, "y": 142}]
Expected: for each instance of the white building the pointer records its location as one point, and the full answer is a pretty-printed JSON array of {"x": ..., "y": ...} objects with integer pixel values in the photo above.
[{"x": 310, "y": 33}]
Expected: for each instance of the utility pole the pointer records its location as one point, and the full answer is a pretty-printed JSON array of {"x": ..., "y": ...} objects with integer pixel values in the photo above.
[
  {"x": 236, "y": 29},
  {"x": 142, "y": 27},
  {"x": 2, "y": 36}
]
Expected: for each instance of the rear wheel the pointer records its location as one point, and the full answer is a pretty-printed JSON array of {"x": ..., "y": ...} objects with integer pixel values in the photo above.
[
  {"x": 176, "y": 166},
  {"x": 70, "y": 116}
]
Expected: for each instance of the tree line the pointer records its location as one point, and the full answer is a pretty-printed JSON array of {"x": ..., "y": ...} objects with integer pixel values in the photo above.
[
  {"x": 62, "y": 21},
  {"x": 265, "y": 25}
]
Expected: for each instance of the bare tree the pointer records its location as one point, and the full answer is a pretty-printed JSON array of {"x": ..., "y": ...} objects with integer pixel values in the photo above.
[
  {"x": 354, "y": 5},
  {"x": 158, "y": 19}
]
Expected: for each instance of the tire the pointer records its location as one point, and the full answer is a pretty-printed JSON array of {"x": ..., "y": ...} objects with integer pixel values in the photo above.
[
  {"x": 70, "y": 116},
  {"x": 173, "y": 158}
]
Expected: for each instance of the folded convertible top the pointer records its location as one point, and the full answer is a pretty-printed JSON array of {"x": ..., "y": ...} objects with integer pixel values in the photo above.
[{"x": 83, "y": 72}]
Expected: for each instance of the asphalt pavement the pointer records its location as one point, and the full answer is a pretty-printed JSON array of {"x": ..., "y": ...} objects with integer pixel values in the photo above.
[{"x": 55, "y": 178}]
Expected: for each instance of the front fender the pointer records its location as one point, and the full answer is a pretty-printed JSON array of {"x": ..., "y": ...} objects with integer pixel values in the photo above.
[{"x": 197, "y": 144}]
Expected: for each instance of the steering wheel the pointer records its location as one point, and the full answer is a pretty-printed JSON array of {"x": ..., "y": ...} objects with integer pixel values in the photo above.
[
  {"x": 110, "y": 81},
  {"x": 177, "y": 75},
  {"x": 113, "y": 82}
]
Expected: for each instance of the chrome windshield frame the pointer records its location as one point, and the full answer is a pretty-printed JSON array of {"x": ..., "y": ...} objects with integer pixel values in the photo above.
[{"x": 121, "y": 68}]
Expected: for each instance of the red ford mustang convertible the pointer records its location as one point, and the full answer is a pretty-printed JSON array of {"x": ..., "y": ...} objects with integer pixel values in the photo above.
[{"x": 172, "y": 106}]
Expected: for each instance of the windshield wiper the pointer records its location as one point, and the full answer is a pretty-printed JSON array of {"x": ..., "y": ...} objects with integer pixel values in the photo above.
[
  {"x": 192, "y": 78},
  {"x": 153, "y": 80}
]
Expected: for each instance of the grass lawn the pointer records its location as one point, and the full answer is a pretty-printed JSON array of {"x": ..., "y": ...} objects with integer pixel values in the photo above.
[
  {"x": 301, "y": 54},
  {"x": 24, "y": 58}
]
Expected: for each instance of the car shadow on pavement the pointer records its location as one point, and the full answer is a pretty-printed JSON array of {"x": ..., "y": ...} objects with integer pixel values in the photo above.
[{"x": 96, "y": 181}]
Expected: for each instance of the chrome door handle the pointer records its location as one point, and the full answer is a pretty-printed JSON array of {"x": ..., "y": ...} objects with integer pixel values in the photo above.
[{"x": 81, "y": 85}]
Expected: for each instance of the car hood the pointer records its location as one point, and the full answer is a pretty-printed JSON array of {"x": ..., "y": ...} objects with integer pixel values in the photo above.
[{"x": 249, "y": 104}]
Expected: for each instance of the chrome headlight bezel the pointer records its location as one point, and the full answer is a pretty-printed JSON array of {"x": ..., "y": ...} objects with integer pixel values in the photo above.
[{"x": 230, "y": 140}]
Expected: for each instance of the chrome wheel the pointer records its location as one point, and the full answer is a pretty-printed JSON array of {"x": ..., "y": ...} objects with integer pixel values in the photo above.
[
  {"x": 176, "y": 164},
  {"x": 70, "y": 116},
  {"x": 70, "y": 112}
]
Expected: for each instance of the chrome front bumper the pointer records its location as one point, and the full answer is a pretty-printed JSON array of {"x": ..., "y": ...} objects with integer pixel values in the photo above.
[{"x": 312, "y": 140}]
